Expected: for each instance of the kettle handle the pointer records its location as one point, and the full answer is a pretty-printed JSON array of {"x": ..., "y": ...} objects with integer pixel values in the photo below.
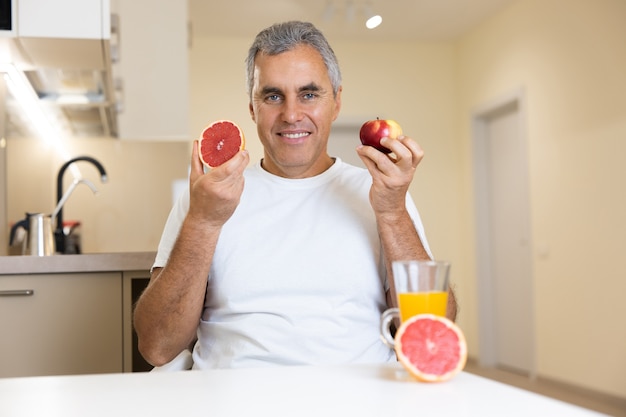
[{"x": 23, "y": 224}]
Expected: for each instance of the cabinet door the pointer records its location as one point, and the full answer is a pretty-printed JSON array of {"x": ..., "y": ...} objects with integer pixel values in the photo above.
[
  {"x": 134, "y": 282},
  {"x": 60, "y": 324},
  {"x": 153, "y": 69},
  {"x": 72, "y": 19}
]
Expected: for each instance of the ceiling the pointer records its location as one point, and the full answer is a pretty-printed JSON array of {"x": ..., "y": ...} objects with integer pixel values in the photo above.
[{"x": 403, "y": 20}]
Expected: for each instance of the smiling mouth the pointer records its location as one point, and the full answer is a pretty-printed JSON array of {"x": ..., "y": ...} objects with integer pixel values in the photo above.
[{"x": 294, "y": 135}]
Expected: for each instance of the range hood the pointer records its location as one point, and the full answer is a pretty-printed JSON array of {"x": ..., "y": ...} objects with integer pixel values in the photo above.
[
  {"x": 70, "y": 76},
  {"x": 73, "y": 83}
]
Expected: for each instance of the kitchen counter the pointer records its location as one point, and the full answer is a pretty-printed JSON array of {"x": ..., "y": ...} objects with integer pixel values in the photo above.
[{"x": 92, "y": 262}]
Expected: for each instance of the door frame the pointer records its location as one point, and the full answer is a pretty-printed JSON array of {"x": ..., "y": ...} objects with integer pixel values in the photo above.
[
  {"x": 4, "y": 218},
  {"x": 516, "y": 99}
]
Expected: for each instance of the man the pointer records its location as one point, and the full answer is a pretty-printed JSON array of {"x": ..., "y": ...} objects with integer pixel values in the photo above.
[{"x": 288, "y": 261}]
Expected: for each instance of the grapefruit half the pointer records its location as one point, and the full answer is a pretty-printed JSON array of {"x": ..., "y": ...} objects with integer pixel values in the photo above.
[
  {"x": 220, "y": 141},
  {"x": 431, "y": 348}
]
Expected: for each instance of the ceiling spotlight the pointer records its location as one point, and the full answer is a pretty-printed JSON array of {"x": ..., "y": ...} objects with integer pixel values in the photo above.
[
  {"x": 350, "y": 8},
  {"x": 373, "y": 21}
]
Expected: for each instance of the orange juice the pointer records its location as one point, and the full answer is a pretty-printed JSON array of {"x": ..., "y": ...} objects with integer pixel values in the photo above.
[{"x": 414, "y": 303}]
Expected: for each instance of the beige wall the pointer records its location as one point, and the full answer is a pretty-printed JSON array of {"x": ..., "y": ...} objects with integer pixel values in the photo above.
[
  {"x": 569, "y": 56},
  {"x": 129, "y": 210}
]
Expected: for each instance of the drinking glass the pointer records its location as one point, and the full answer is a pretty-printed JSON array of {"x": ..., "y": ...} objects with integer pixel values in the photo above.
[{"x": 421, "y": 287}]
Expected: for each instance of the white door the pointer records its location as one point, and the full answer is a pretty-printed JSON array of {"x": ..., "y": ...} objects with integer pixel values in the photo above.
[
  {"x": 506, "y": 317},
  {"x": 4, "y": 232}
]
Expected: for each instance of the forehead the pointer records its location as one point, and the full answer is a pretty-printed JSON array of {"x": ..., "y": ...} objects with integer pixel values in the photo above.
[{"x": 301, "y": 65}]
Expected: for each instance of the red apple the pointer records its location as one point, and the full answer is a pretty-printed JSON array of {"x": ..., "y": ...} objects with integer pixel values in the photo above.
[{"x": 373, "y": 131}]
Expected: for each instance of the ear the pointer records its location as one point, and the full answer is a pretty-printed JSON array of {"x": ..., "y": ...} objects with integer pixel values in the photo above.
[
  {"x": 337, "y": 102},
  {"x": 251, "y": 108}
]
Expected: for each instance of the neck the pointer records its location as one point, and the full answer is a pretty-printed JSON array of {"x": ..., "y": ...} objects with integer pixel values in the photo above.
[{"x": 298, "y": 172}]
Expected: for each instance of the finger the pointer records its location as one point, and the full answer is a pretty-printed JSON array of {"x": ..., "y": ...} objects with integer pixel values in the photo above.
[
  {"x": 197, "y": 167},
  {"x": 234, "y": 166},
  {"x": 367, "y": 161},
  {"x": 416, "y": 150},
  {"x": 397, "y": 147},
  {"x": 378, "y": 164},
  {"x": 372, "y": 156},
  {"x": 407, "y": 151}
]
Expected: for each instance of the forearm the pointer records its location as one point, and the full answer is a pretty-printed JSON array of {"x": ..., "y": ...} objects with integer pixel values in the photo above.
[
  {"x": 167, "y": 314},
  {"x": 400, "y": 241}
]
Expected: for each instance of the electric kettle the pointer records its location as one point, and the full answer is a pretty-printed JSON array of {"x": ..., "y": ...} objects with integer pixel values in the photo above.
[{"x": 39, "y": 239}]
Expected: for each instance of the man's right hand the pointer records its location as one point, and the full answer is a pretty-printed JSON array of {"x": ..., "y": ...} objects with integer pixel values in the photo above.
[{"x": 214, "y": 195}]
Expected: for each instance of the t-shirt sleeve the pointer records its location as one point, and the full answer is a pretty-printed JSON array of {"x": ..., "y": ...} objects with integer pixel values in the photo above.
[{"x": 171, "y": 229}]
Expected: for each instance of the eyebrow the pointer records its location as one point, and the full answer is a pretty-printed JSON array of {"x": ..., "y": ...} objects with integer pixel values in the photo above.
[
  {"x": 276, "y": 90},
  {"x": 270, "y": 90},
  {"x": 310, "y": 87}
]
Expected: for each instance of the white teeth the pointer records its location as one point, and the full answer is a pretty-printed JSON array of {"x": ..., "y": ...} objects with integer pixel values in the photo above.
[{"x": 294, "y": 135}]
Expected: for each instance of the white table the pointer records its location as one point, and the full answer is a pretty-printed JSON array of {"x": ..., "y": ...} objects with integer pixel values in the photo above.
[{"x": 346, "y": 391}]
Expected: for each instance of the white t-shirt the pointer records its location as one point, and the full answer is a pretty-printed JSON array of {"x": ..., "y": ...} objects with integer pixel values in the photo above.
[{"x": 298, "y": 275}]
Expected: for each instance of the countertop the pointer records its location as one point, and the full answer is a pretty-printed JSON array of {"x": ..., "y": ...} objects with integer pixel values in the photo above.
[
  {"x": 91, "y": 262},
  {"x": 348, "y": 390}
]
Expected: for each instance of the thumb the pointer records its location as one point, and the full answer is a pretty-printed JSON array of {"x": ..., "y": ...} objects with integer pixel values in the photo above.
[{"x": 197, "y": 167}]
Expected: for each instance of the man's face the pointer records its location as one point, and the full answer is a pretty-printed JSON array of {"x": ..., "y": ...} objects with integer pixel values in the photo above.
[{"x": 293, "y": 106}]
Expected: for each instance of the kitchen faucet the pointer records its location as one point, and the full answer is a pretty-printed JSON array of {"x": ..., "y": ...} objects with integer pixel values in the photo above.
[
  {"x": 59, "y": 235},
  {"x": 69, "y": 191}
]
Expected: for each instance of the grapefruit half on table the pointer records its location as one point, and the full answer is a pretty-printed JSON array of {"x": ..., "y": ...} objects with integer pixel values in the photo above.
[
  {"x": 220, "y": 141},
  {"x": 431, "y": 348}
]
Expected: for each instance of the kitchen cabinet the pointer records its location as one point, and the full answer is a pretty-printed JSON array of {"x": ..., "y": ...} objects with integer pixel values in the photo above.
[
  {"x": 57, "y": 324},
  {"x": 152, "y": 69},
  {"x": 134, "y": 282},
  {"x": 72, "y": 19}
]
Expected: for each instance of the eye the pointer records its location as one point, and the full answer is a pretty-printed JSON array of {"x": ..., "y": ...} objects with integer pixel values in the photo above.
[
  {"x": 272, "y": 98},
  {"x": 309, "y": 96}
]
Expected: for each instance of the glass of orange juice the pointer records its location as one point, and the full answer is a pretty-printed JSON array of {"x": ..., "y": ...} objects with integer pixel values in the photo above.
[{"x": 421, "y": 287}]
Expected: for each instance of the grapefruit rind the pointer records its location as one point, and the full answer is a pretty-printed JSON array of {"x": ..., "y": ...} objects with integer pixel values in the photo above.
[
  {"x": 216, "y": 146},
  {"x": 431, "y": 348}
]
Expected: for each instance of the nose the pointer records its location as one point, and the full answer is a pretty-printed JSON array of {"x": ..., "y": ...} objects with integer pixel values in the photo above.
[{"x": 292, "y": 110}]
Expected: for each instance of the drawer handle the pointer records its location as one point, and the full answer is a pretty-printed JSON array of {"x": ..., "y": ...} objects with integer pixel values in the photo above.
[{"x": 14, "y": 293}]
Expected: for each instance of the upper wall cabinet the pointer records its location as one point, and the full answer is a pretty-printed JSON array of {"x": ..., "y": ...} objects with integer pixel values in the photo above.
[
  {"x": 151, "y": 70},
  {"x": 72, "y": 19}
]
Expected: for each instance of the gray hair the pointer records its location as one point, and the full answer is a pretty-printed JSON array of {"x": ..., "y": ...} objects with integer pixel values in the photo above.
[{"x": 282, "y": 37}]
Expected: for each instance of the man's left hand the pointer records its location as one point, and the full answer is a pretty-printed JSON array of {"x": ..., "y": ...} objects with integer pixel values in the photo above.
[{"x": 391, "y": 173}]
